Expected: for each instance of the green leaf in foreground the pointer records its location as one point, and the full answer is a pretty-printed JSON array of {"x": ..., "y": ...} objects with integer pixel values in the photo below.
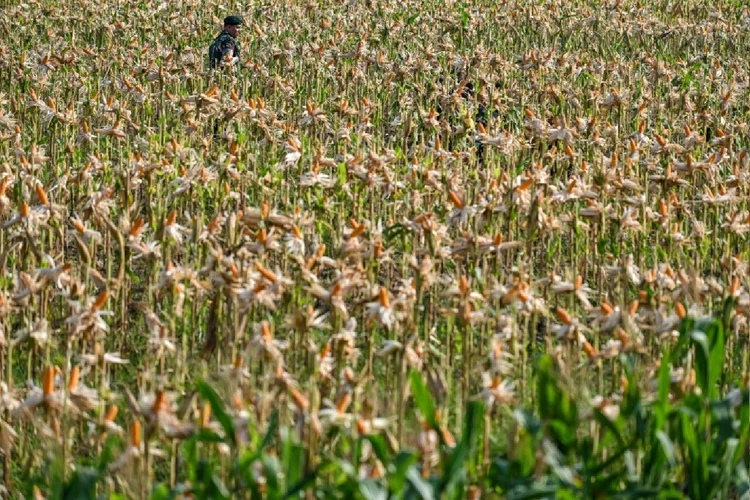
[
  {"x": 217, "y": 407},
  {"x": 423, "y": 398}
]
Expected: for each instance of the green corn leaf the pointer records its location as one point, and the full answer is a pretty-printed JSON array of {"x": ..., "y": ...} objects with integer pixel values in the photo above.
[
  {"x": 716, "y": 357},
  {"x": 271, "y": 472},
  {"x": 610, "y": 425},
  {"x": 668, "y": 447},
  {"x": 161, "y": 492},
  {"x": 294, "y": 461},
  {"x": 702, "y": 356},
  {"x": 423, "y": 398},
  {"x": 107, "y": 454},
  {"x": 400, "y": 469},
  {"x": 420, "y": 486},
  {"x": 303, "y": 484},
  {"x": 273, "y": 424},
  {"x": 371, "y": 490},
  {"x": 341, "y": 171},
  {"x": 536, "y": 492},
  {"x": 217, "y": 407},
  {"x": 208, "y": 436},
  {"x": 455, "y": 467},
  {"x": 380, "y": 448},
  {"x": 662, "y": 407},
  {"x": 82, "y": 485}
]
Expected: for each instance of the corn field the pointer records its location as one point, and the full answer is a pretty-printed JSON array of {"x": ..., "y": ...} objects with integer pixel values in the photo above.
[{"x": 399, "y": 249}]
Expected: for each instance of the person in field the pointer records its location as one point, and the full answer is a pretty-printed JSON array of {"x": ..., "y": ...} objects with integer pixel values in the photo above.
[{"x": 225, "y": 50}]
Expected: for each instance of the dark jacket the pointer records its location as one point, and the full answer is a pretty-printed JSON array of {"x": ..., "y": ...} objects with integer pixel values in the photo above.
[{"x": 221, "y": 46}]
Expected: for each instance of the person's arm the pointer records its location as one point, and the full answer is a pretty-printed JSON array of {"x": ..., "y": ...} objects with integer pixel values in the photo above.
[{"x": 229, "y": 47}]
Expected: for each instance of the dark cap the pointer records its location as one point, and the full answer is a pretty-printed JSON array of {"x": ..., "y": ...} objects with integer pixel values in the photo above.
[{"x": 232, "y": 21}]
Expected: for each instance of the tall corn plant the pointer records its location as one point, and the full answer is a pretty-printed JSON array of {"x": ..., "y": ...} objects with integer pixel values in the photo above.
[
  {"x": 661, "y": 445},
  {"x": 259, "y": 470}
]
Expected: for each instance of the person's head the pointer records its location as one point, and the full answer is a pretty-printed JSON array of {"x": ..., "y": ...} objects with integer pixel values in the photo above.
[{"x": 232, "y": 25}]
